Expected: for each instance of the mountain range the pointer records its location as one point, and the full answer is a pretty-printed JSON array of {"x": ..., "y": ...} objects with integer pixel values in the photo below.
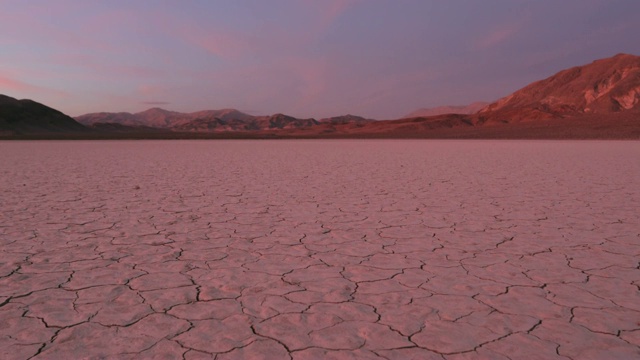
[
  {"x": 224, "y": 120},
  {"x": 597, "y": 100},
  {"x": 160, "y": 118}
]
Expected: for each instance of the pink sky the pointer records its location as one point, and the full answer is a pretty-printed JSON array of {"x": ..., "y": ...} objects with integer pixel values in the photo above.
[{"x": 307, "y": 58}]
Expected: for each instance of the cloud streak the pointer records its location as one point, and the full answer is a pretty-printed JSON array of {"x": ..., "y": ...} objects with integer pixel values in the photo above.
[
  {"x": 329, "y": 11},
  {"x": 16, "y": 86},
  {"x": 220, "y": 43},
  {"x": 498, "y": 36}
]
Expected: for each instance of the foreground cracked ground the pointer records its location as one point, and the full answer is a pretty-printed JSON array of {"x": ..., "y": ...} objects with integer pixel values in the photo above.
[{"x": 320, "y": 249}]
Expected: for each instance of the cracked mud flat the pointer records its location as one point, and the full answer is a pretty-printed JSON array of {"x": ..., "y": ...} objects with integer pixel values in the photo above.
[{"x": 320, "y": 249}]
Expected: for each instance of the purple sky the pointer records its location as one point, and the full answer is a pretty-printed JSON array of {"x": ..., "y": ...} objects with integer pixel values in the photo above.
[{"x": 306, "y": 58}]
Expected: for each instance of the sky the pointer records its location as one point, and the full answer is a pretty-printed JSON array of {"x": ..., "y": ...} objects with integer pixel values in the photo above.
[{"x": 380, "y": 59}]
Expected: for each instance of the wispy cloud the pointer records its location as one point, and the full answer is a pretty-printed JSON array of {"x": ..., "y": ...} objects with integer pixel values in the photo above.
[
  {"x": 150, "y": 90},
  {"x": 9, "y": 85},
  {"x": 15, "y": 85},
  {"x": 98, "y": 67},
  {"x": 329, "y": 10},
  {"x": 311, "y": 76},
  {"x": 498, "y": 36},
  {"x": 268, "y": 36},
  {"x": 218, "y": 42}
]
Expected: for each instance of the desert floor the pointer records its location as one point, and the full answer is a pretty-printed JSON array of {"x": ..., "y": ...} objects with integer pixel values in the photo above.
[{"x": 371, "y": 249}]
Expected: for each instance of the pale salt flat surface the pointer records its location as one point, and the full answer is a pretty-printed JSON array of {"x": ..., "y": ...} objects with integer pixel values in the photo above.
[{"x": 320, "y": 249}]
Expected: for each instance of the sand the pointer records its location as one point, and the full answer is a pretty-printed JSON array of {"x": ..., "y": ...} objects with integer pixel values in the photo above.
[{"x": 372, "y": 249}]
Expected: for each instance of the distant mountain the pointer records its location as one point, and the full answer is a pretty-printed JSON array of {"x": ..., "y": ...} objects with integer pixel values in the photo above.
[
  {"x": 19, "y": 117},
  {"x": 281, "y": 121},
  {"x": 603, "y": 87},
  {"x": 121, "y": 118},
  {"x": 160, "y": 118},
  {"x": 223, "y": 114},
  {"x": 346, "y": 119},
  {"x": 120, "y": 128},
  {"x": 212, "y": 123},
  {"x": 451, "y": 109},
  {"x": 200, "y": 121}
]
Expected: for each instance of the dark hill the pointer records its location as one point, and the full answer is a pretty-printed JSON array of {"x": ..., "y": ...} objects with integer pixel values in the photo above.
[{"x": 19, "y": 117}]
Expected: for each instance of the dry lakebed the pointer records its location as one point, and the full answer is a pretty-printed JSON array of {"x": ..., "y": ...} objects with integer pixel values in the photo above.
[{"x": 320, "y": 249}]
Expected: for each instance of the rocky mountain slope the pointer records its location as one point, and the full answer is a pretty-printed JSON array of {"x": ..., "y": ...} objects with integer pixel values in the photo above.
[
  {"x": 30, "y": 117},
  {"x": 603, "y": 87}
]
